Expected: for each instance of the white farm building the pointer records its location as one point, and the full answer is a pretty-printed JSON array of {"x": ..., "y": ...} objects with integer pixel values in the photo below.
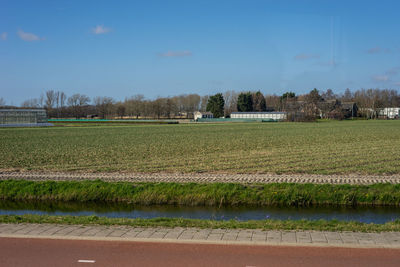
[
  {"x": 202, "y": 115},
  {"x": 391, "y": 113},
  {"x": 276, "y": 116}
]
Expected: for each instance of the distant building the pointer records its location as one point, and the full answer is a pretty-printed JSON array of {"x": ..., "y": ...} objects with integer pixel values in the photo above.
[
  {"x": 23, "y": 117},
  {"x": 390, "y": 113},
  {"x": 202, "y": 115},
  {"x": 349, "y": 109},
  {"x": 276, "y": 116}
]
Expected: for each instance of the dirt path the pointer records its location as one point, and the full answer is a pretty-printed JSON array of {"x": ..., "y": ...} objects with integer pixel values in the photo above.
[{"x": 204, "y": 177}]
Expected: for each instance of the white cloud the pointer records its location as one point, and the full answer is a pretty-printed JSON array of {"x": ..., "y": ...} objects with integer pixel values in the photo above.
[
  {"x": 393, "y": 71},
  {"x": 305, "y": 56},
  {"x": 185, "y": 53},
  {"x": 4, "y": 36},
  {"x": 27, "y": 36},
  {"x": 100, "y": 29},
  {"x": 330, "y": 63},
  {"x": 374, "y": 50},
  {"x": 378, "y": 49},
  {"x": 380, "y": 78}
]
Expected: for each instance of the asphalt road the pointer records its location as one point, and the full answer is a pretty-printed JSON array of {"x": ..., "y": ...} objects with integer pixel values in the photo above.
[{"x": 47, "y": 252}]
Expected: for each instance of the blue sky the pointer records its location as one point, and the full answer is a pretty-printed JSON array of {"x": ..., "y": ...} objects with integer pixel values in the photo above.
[{"x": 165, "y": 48}]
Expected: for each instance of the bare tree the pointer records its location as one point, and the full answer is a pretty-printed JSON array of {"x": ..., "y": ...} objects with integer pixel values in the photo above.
[
  {"x": 170, "y": 107},
  {"x": 50, "y": 99},
  {"x": 347, "y": 96},
  {"x": 273, "y": 102},
  {"x": 31, "y": 103},
  {"x": 104, "y": 105},
  {"x": 259, "y": 102},
  {"x": 63, "y": 99},
  {"x": 204, "y": 101},
  {"x": 311, "y": 105},
  {"x": 121, "y": 109},
  {"x": 157, "y": 107},
  {"x": 76, "y": 102},
  {"x": 328, "y": 95},
  {"x": 134, "y": 105},
  {"x": 230, "y": 98}
]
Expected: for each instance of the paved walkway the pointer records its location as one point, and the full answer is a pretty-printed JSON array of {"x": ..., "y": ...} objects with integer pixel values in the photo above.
[
  {"x": 203, "y": 177},
  {"x": 195, "y": 235}
]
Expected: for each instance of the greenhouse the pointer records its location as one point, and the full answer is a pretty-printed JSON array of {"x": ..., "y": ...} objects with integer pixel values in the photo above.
[
  {"x": 276, "y": 116},
  {"x": 23, "y": 117}
]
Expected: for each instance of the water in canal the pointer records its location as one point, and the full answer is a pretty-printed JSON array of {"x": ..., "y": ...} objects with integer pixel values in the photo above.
[{"x": 361, "y": 214}]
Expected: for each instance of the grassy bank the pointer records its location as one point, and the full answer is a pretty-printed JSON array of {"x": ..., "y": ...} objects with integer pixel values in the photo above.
[
  {"x": 320, "y": 225},
  {"x": 191, "y": 194},
  {"x": 335, "y": 147}
]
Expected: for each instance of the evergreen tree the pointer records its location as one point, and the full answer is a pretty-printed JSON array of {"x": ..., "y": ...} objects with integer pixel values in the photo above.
[
  {"x": 216, "y": 105},
  {"x": 245, "y": 102}
]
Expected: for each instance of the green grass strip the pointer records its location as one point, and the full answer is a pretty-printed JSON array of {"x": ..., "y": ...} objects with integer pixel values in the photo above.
[
  {"x": 211, "y": 194},
  {"x": 320, "y": 225}
]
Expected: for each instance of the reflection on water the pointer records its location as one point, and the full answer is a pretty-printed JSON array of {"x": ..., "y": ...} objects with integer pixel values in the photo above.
[{"x": 116, "y": 210}]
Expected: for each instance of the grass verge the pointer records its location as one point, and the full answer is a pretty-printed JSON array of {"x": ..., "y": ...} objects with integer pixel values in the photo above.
[
  {"x": 320, "y": 225},
  {"x": 212, "y": 194}
]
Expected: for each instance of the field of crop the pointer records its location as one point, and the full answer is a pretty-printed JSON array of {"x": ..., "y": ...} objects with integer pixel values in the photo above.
[{"x": 365, "y": 147}]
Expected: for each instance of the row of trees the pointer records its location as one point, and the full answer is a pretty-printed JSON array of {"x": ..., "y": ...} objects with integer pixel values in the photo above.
[{"x": 59, "y": 105}]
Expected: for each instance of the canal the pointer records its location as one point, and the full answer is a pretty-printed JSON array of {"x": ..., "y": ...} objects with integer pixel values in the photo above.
[{"x": 361, "y": 214}]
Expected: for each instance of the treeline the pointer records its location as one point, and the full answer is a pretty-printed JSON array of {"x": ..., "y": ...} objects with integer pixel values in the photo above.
[{"x": 314, "y": 104}]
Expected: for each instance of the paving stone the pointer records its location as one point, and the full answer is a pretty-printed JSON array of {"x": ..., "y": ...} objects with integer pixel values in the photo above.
[
  {"x": 187, "y": 234},
  {"x": 379, "y": 238},
  {"x": 5, "y": 226},
  {"x": 318, "y": 237},
  {"x": 131, "y": 233},
  {"x": 201, "y": 234},
  {"x": 25, "y": 230},
  {"x": 303, "y": 235},
  {"x": 172, "y": 235},
  {"x": 66, "y": 230},
  {"x": 10, "y": 229},
  {"x": 366, "y": 242},
  {"x": 145, "y": 233},
  {"x": 218, "y": 231},
  {"x": 274, "y": 237},
  {"x": 259, "y": 236},
  {"x": 158, "y": 234},
  {"x": 229, "y": 237},
  {"x": 289, "y": 237},
  {"x": 244, "y": 235},
  {"x": 243, "y": 238},
  {"x": 117, "y": 233},
  {"x": 333, "y": 238},
  {"x": 79, "y": 231},
  {"x": 51, "y": 230},
  {"x": 92, "y": 231},
  {"x": 212, "y": 236},
  {"x": 103, "y": 232},
  {"x": 232, "y": 231}
]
